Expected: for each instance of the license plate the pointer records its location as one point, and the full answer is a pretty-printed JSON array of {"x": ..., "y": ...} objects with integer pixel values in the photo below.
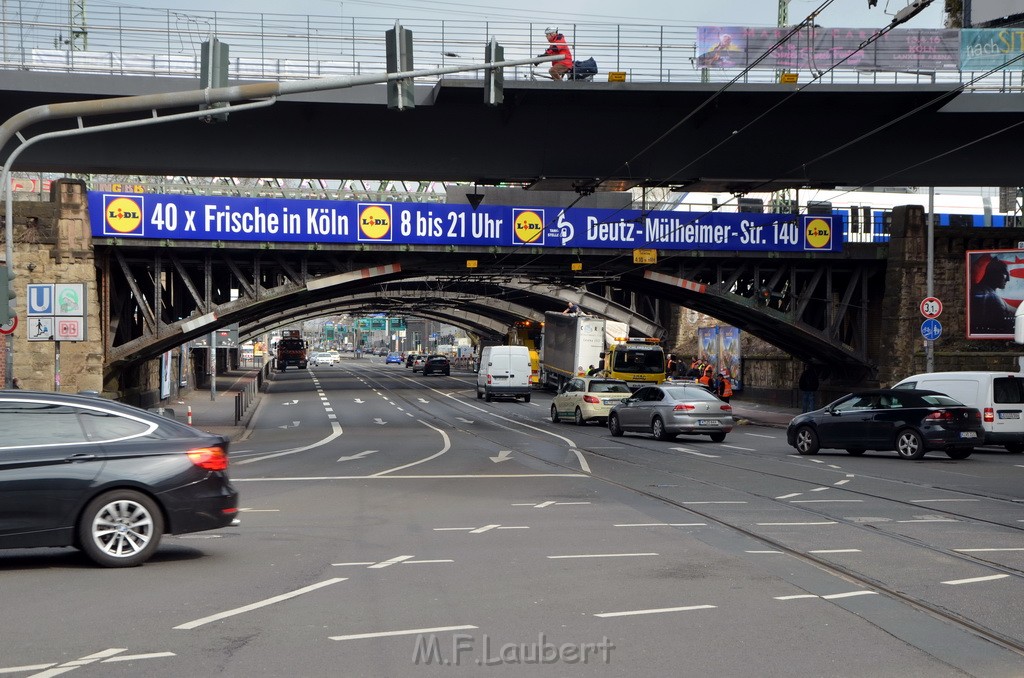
[
  {"x": 968, "y": 434},
  {"x": 1009, "y": 415},
  {"x": 708, "y": 422}
]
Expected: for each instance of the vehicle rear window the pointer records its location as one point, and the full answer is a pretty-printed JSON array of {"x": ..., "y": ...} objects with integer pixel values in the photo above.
[
  {"x": 942, "y": 400},
  {"x": 608, "y": 387},
  {"x": 690, "y": 394},
  {"x": 1009, "y": 390}
]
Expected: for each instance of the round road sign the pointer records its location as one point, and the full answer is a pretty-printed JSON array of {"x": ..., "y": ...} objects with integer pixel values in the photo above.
[
  {"x": 9, "y": 327},
  {"x": 931, "y": 329},
  {"x": 931, "y": 307}
]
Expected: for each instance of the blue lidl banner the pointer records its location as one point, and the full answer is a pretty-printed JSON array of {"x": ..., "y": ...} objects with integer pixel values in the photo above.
[{"x": 178, "y": 217}]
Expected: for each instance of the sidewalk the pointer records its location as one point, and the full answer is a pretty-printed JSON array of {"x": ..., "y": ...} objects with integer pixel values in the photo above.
[{"x": 218, "y": 415}]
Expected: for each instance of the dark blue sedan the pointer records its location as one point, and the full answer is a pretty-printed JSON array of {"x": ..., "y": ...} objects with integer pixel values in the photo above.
[{"x": 911, "y": 422}]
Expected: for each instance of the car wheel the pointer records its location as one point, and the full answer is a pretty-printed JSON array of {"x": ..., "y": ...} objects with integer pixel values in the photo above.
[
  {"x": 120, "y": 529},
  {"x": 613, "y": 426},
  {"x": 854, "y": 452},
  {"x": 479, "y": 395},
  {"x": 578, "y": 418},
  {"x": 909, "y": 444},
  {"x": 658, "y": 429},
  {"x": 959, "y": 452},
  {"x": 554, "y": 415},
  {"x": 807, "y": 441},
  {"x": 488, "y": 397},
  {"x": 717, "y": 437},
  {"x": 1015, "y": 448},
  {"x": 526, "y": 398}
]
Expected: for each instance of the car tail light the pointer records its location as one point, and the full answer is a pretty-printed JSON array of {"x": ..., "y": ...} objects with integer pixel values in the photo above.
[
  {"x": 683, "y": 407},
  {"x": 726, "y": 408},
  {"x": 593, "y": 400},
  {"x": 976, "y": 415},
  {"x": 940, "y": 415},
  {"x": 488, "y": 379},
  {"x": 209, "y": 458},
  {"x": 990, "y": 414}
]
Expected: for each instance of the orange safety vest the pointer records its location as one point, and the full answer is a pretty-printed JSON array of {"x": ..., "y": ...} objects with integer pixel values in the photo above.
[{"x": 726, "y": 388}]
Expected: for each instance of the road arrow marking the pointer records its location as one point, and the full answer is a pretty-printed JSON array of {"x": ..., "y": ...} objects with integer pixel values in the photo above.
[
  {"x": 380, "y": 421},
  {"x": 360, "y": 401},
  {"x": 294, "y": 424},
  {"x": 293, "y": 402},
  {"x": 422, "y": 400},
  {"x": 503, "y": 455},
  {"x": 358, "y": 456}
]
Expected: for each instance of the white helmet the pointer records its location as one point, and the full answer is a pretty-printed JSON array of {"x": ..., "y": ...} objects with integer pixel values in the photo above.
[{"x": 550, "y": 31}]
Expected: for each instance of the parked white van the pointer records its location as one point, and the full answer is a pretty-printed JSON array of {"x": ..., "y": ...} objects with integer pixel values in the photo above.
[
  {"x": 504, "y": 373},
  {"x": 998, "y": 395}
]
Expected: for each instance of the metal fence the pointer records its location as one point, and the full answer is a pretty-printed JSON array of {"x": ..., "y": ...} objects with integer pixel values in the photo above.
[{"x": 43, "y": 36}]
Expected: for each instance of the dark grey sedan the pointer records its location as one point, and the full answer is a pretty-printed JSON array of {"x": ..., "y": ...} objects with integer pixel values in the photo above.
[
  {"x": 104, "y": 477},
  {"x": 671, "y": 409},
  {"x": 911, "y": 422}
]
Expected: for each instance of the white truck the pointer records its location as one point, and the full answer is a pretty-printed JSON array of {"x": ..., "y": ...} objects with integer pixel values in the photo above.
[{"x": 572, "y": 344}]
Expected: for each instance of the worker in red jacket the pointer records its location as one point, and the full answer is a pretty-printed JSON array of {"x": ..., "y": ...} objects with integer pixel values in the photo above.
[{"x": 557, "y": 46}]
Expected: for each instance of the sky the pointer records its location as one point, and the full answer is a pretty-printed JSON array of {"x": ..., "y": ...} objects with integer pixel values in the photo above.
[{"x": 842, "y": 13}]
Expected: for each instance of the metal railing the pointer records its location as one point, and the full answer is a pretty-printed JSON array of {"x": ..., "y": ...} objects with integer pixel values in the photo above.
[
  {"x": 164, "y": 42},
  {"x": 247, "y": 396}
]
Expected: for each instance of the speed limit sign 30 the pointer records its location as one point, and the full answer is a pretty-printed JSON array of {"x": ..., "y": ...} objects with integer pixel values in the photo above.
[{"x": 931, "y": 307}]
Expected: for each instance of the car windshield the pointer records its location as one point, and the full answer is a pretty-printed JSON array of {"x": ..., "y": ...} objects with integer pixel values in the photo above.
[
  {"x": 609, "y": 387},
  {"x": 640, "y": 361}
]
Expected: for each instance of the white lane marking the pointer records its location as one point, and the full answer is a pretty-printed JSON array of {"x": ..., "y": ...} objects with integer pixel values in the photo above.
[
  {"x": 465, "y": 421},
  {"x": 360, "y": 401},
  {"x": 834, "y": 466},
  {"x": 988, "y": 550},
  {"x": 630, "y": 613},
  {"x": 694, "y": 453},
  {"x": 736, "y": 447},
  {"x": 335, "y": 432},
  {"x": 132, "y": 657},
  {"x": 790, "y": 496},
  {"x": 422, "y": 400},
  {"x": 358, "y": 455},
  {"x": 390, "y": 562},
  {"x": 836, "y": 551},
  {"x": 28, "y": 667},
  {"x": 255, "y": 606},
  {"x": 929, "y": 520},
  {"x": 833, "y": 596},
  {"x": 447, "y": 446},
  {"x": 923, "y": 501},
  {"x": 796, "y": 597},
  {"x": 815, "y": 461},
  {"x": 424, "y": 562},
  {"x": 819, "y": 489},
  {"x": 825, "y": 522},
  {"x": 332, "y": 416},
  {"x": 379, "y": 421},
  {"x": 252, "y": 510},
  {"x": 503, "y": 455},
  {"x": 779, "y": 552},
  {"x": 603, "y": 555},
  {"x": 659, "y": 525},
  {"x": 350, "y": 564},
  {"x": 760, "y": 435},
  {"x": 485, "y": 528},
  {"x": 545, "y": 504},
  {"x": 827, "y": 501},
  {"x": 408, "y": 632},
  {"x": 420, "y": 477},
  {"x": 974, "y": 580},
  {"x": 840, "y": 482},
  {"x": 688, "y": 503}
]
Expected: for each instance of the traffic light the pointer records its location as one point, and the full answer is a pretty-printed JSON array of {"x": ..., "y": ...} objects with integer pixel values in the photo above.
[
  {"x": 398, "y": 54},
  {"x": 494, "y": 78},
  {"x": 7, "y": 296}
]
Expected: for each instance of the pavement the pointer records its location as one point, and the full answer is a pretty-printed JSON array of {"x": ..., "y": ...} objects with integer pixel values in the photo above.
[{"x": 217, "y": 415}]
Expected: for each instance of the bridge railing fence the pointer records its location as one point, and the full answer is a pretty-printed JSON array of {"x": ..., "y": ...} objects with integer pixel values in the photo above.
[{"x": 264, "y": 46}]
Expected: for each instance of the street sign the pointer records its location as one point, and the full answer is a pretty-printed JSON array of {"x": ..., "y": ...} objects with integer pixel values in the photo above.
[
  {"x": 931, "y": 307},
  {"x": 9, "y": 328},
  {"x": 931, "y": 329}
]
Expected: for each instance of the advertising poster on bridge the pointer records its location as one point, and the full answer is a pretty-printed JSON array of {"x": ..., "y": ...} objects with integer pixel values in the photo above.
[
  {"x": 995, "y": 288},
  {"x": 719, "y": 347},
  {"x": 327, "y": 222}
]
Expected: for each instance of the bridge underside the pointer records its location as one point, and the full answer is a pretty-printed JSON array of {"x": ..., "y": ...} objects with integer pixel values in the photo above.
[{"x": 156, "y": 298}]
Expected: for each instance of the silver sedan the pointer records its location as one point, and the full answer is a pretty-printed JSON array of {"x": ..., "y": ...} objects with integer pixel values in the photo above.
[{"x": 671, "y": 409}]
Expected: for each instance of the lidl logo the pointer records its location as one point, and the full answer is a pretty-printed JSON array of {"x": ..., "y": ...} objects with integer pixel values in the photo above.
[
  {"x": 818, "y": 233},
  {"x": 122, "y": 216},
  {"x": 375, "y": 222},
  {"x": 527, "y": 227}
]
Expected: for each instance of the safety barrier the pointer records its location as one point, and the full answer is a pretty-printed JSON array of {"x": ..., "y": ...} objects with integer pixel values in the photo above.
[{"x": 247, "y": 396}]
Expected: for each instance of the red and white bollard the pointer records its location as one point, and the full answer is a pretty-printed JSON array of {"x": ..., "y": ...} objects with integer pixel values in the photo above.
[{"x": 189, "y": 415}]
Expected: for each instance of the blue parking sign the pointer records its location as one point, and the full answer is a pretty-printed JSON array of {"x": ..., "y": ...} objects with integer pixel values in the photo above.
[{"x": 931, "y": 329}]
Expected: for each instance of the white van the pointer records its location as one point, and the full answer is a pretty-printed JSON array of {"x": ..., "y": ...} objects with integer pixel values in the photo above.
[
  {"x": 998, "y": 395},
  {"x": 504, "y": 373}
]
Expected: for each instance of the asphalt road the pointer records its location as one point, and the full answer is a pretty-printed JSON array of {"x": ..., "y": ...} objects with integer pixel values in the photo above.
[{"x": 395, "y": 525}]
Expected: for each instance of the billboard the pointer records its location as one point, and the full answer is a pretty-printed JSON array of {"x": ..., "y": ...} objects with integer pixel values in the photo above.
[
  {"x": 980, "y": 12},
  {"x": 995, "y": 288}
]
